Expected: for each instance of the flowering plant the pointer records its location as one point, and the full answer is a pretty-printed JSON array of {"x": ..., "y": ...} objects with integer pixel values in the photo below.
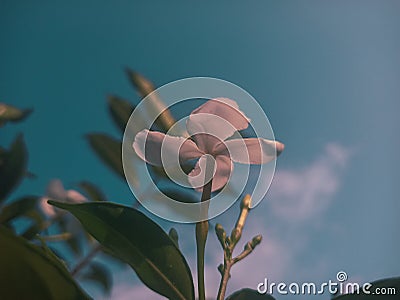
[{"x": 110, "y": 234}]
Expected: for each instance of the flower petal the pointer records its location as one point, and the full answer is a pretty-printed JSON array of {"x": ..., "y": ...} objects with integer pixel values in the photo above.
[
  {"x": 147, "y": 146},
  {"x": 218, "y": 117},
  {"x": 48, "y": 210},
  {"x": 227, "y": 109},
  {"x": 55, "y": 190},
  {"x": 251, "y": 150},
  {"x": 75, "y": 197},
  {"x": 222, "y": 173}
]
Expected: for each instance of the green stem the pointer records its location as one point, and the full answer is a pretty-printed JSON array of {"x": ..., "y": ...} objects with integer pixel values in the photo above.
[{"x": 201, "y": 238}]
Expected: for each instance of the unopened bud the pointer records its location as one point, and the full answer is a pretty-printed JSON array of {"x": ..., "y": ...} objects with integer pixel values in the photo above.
[
  {"x": 256, "y": 240},
  {"x": 221, "y": 234},
  {"x": 246, "y": 202}
]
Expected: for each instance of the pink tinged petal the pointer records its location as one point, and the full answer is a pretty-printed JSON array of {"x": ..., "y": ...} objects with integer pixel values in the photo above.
[
  {"x": 224, "y": 168},
  {"x": 207, "y": 130},
  {"x": 48, "y": 210},
  {"x": 75, "y": 197},
  {"x": 219, "y": 118},
  {"x": 147, "y": 146},
  {"x": 226, "y": 109},
  {"x": 251, "y": 150},
  {"x": 55, "y": 190}
]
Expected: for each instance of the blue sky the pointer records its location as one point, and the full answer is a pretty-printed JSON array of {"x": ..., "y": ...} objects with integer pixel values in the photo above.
[{"x": 325, "y": 72}]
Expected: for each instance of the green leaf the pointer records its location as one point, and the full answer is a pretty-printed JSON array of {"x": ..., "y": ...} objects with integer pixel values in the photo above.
[
  {"x": 109, "y": 150},
  {"x": 173, "y": 235},
  {"x": 392, "y": 283},
  {"x": 17, "y": 208},
  {"x": 120, "y": 111},
  {"x": 156, "y": 105},
  {"x": 92, "y": 191},
  {"x": 10, "y": 113},
  {"x": 12, "y": 167},
  {"x": 29, "y": 272},
  {"x": 140, "y": 242},
  {"x": 249, "y": 294},
  {"x": 99, "y": 274}
]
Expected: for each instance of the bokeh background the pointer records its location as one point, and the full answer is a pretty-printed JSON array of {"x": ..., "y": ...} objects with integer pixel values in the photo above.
[{"x": 327, "y": 74}]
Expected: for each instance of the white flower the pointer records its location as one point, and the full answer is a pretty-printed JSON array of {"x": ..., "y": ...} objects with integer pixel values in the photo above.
[
  {"x": 209, "y": 126},
  {"x": 56, "y": 191}
]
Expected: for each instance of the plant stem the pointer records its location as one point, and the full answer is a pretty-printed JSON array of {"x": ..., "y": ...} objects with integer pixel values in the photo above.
[
  {"x": 229, "y": 243},
  {"x": 57, "y": 237},
  {"x": 224, "y": 280},
  {"x": 86, "y": 260},
  {"x": 201, "y": 238}
]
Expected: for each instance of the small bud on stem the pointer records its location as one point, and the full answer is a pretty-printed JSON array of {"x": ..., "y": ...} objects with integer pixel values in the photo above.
[{"x": 229, "y": 243}]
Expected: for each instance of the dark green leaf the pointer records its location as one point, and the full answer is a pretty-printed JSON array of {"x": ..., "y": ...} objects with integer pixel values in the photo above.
[
  {"x": 378, "y": 286},
  {"x": 249, "y": 294},
  {"x": 10, "y": 113},
  {"x": 120, "y": 111},
  {"x": 12, "y": 167},
  {"x": 109, "y": 150},
  {"x": 140, "y": 242},
  {"x": 30, "y": 272},
  {"x": 173, "y": 234},
  {"x": 100, "y": 275},
  {"x": 19, "y": 207}
]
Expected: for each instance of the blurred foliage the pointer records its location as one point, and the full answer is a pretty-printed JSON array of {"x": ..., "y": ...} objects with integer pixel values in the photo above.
[
  {"x": 24, "y": 206},
  {"x": 31, "y": 272},
  {"x": 28, "y": 271},
  {"x": 120, "y": 110},
  {"x": 10, "y": 113},
  {"x": 145, "y": 88},
  {"x": 109, "y": 151},
  {"x": 100, "y": 275},
  {"x": 92, "y": 191},
  {"x": 13, "y": 163}
]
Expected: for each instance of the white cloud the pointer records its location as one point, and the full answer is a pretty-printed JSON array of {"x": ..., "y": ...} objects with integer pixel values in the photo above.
[{"x": 301, "y": 194}]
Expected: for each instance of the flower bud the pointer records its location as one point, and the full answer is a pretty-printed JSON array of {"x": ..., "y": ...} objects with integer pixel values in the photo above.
[
  {"x": 221, "y": 234},
  {"x": 256, "y": 240},
  {"x": 246, "y": 202}
]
